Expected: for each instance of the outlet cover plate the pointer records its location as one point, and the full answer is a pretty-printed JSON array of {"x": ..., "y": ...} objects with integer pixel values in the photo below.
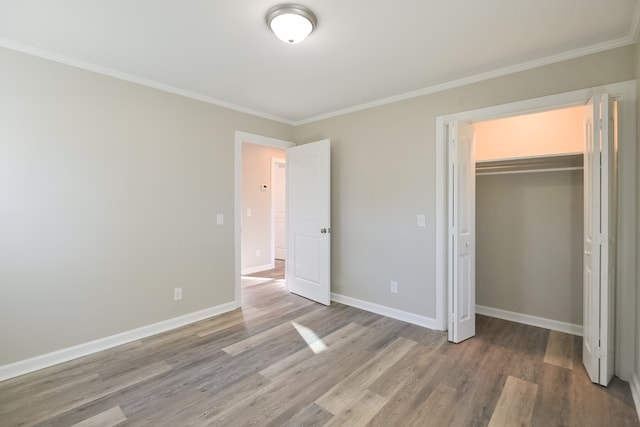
[{"x": 394, "y": 287}]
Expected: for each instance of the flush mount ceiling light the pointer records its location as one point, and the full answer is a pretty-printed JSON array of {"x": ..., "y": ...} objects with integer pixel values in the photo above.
[{"x": 291, "y": 23}]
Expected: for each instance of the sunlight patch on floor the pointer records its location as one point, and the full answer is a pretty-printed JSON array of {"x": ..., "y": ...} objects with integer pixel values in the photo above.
[{"x": 314, "y": 342}]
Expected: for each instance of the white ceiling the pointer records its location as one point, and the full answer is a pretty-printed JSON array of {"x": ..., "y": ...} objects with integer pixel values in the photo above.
[{"x": 362, "y": 52}]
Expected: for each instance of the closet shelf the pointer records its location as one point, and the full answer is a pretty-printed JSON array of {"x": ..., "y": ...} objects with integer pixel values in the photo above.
[{"x": 569, "y": 161}]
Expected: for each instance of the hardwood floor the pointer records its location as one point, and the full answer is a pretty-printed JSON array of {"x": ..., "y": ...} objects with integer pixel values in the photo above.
[
  {"x": 275, "y": 273},
  {"x": 255, "y": 367}
]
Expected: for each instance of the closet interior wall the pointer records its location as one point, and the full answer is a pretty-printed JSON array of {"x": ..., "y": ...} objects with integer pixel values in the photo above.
[{"x": 529, "y": 217}]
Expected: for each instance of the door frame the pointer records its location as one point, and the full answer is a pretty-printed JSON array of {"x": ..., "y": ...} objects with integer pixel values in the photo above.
[
  {"x": 252, "y": 138},
  {"x": 626, "y": 247}
]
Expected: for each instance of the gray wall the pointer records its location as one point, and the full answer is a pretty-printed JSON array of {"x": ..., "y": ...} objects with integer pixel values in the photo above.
[
  {"x": 108, "y": 199},
  {"x": 109, "y": 190},
  {"x": 529, "y": 229},
  {"x": 383, "y": 174}
]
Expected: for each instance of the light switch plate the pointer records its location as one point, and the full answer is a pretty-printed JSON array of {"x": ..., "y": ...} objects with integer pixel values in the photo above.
[
  {"x": 220, "y": 219},
  {"x": 421, "y": 221}
]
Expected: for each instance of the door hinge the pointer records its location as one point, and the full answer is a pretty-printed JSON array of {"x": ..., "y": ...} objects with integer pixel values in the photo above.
[
  {"x": 604, "y": 124},
  {"x": 597, "y": 353},
  {"x": 452, "y": 231}
]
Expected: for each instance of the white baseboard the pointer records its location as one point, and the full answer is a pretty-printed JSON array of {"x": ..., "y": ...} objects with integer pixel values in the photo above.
[
  {"x": 405, "y": 316},
  {"x": 46, "y": 360},
  {"x": 527, "y": 319},
  {"x": 635, "y": 391},
  {"x": 252, "y": 270}
]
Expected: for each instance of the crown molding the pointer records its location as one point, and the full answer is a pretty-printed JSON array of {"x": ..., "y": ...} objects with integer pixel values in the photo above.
[
  {"x": 109, "y": 72},
  {"x": 634, "y": 31},
  {"x": 631, "y": 38},
  {"x": 572, "y": 54}
]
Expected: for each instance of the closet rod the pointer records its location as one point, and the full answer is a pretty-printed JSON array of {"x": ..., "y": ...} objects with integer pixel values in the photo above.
[
  {"x": 561, "y": 162},
  {"x": 530, "y": 171}
]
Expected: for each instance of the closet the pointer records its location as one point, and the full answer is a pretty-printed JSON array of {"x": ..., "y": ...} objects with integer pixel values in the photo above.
[{"x": 529, "y": 216}]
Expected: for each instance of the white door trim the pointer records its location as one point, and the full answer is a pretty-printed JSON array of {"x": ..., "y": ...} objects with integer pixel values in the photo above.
[
  {"x": 241, "y": 137},
  {"x": 626, "y": 261}
]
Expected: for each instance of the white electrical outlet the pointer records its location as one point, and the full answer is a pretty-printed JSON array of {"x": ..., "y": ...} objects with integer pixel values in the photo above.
[
  {"x": 394, "y": 287},
  {"x": 177, "y": 294},
  {"x": 258, "y": 253}
]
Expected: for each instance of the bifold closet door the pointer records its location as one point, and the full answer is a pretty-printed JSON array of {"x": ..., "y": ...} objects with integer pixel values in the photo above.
[
  {"x": 599, "y": 239},
  {"x": 461, "y": 259}
]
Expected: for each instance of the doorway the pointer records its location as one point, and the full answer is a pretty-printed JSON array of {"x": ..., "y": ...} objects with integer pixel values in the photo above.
[
  {"x": 308, "y": 215},
  {"x": 625, "y": 93},
  {"x": 599, "y": 238},
  {"x": 253, "y": 204},
  {"x": 529, "y": 218},
  {"x": 263, "y": 210}
]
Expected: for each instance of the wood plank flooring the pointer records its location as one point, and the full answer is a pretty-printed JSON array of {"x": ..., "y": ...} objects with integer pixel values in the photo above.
[
  {"x": 276, "y": 273},
  {"x": 252, "y": 367}
]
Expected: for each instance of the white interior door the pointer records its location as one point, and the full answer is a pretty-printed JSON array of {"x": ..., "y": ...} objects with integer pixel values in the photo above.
[
  {"x": 599, "y": 178},
  {"x": 279, "y": 207},
  {"x": 309, "y": 226},
  {"x": 462, "y": 184}
]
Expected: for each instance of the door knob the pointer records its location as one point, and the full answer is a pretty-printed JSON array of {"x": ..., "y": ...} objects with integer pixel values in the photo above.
[{"x": 323, "y": 230}]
